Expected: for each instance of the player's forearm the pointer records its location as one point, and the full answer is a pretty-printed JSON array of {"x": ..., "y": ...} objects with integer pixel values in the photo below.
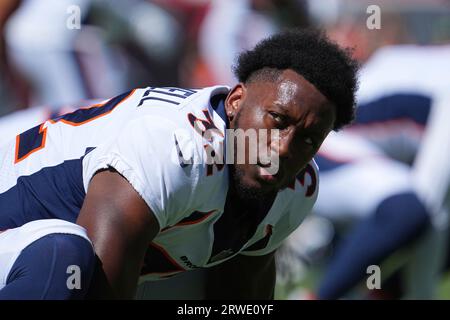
[{"x": 120, "y": 226}]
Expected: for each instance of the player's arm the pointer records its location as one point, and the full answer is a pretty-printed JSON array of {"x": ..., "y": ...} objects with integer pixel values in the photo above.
[
  {"x": 120, "y": 225},
  {"x": 242, "y": 277}
]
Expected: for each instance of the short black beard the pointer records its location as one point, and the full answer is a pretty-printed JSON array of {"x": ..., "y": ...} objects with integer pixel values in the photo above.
[{"x": 245, "y": 193}]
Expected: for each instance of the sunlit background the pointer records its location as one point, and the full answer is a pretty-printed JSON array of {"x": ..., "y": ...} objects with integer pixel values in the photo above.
[{"x": 49, "y": 63}]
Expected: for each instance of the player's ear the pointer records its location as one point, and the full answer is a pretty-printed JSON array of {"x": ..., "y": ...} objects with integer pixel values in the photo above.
[{"x": 234, "y": 100}]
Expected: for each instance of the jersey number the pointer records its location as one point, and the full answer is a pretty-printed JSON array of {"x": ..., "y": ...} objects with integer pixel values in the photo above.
[{"x": 34, "y": 139}]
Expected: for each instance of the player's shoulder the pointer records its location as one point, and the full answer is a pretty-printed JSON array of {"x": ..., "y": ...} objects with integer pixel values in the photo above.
[
  {"x": 175, "y": 99},
  {"x": 186, "y": 121},
  {"x": 170, "y": 111},
  {"x": 186, "y": 135}
]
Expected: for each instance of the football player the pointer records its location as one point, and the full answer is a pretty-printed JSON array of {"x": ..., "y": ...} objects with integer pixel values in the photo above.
[{"x": 132, "y": 175}]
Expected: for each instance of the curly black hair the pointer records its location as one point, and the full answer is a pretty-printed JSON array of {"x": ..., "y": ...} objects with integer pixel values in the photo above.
[{"x": 311, "y": 54}]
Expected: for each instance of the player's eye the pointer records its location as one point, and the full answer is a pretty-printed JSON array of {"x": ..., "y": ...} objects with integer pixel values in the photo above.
[
  {"x": 275, "y": 116},
  {"x": 279, "y": 119}
]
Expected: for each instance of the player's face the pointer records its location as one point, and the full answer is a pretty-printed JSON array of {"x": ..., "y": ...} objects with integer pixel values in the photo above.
[{"x": 291, "y": 104}]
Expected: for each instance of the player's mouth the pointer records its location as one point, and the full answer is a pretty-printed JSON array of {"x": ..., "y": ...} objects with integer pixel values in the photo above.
[{"x": 265, "y": 176}]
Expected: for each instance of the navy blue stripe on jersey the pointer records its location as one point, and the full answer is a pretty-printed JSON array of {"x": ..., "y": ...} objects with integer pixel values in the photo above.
[
  {"x": 218, "y": 104},
  {"x": 33, "y": 140},
  {"x": 52, "y": 193},
  {"x": 85, "y": 114},
  {"x": 411, "y": 106},
  {"x": 30, "y": 141},
  {"x": 54, "y": 113}
]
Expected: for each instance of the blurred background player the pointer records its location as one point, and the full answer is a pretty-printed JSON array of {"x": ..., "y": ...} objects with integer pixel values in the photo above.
[
  {"x": 117, "y": 45},
  {"x": 241, "y": 24},
  {"x": 391, "y": 120},
  {"x": 366, "y": 170},
  {"x": 8, "y": 79},
  {"x": 126, "y": 44}
]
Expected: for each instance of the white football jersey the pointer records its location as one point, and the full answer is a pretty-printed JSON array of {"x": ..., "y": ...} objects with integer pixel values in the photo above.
[
  {"x": 153, "y": 137},
  {"x": 16, "y": 122}
]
